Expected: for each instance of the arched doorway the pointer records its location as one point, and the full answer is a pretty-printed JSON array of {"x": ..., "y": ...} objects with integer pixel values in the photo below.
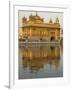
[{"x": 52, "y": 38}]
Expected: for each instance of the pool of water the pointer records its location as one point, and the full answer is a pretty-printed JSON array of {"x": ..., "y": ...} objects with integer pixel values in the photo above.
[{"x": 40, "y": 61}]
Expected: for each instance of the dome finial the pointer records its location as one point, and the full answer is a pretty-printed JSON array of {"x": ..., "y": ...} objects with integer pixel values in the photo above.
[
  {"x": 36, "y": 13},
  {"x": 57, "y": 20},
  {"x": 31, "y": 14},
  {"x": 50, "y": 21}
]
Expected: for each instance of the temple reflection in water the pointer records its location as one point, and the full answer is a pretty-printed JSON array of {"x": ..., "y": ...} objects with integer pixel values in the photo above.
[{"x": 40, "y": 61}]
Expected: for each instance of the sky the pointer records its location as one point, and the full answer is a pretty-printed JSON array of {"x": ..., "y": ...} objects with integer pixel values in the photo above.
[{"x": 46, "y": 15}]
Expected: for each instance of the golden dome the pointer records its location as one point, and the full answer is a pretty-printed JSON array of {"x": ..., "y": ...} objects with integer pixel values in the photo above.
[
  {"x": 24, "y": 18},
  {"x": 50, "y": 21},
  {"x": 35, "y": 17}
]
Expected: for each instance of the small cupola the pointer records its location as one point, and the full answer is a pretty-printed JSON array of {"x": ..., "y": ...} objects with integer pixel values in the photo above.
[
  {"x": 50, "y": 21},
  {"x": 57, "y": 20},
  {"x": 24, "y": 19}
]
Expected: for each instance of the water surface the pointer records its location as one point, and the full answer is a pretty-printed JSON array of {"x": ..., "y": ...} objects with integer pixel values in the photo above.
[{"x": 40, "y": 61}]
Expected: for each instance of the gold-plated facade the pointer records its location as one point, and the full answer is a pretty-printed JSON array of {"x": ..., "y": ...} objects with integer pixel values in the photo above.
[{"x": 36, "y": 29}]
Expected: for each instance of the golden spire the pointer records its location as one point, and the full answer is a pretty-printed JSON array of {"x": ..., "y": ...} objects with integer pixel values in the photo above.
[
  {"x": 24, "y": 19},
  {"x": 31, "y": 15},
  {"x": 36, "y": 13},
  {"x": 50, "y": 21},
  {"x": 57, "y": 20}
]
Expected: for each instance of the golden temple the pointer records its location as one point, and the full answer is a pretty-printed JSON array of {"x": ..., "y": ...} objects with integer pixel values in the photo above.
[{"x": 36, "y": 29}]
